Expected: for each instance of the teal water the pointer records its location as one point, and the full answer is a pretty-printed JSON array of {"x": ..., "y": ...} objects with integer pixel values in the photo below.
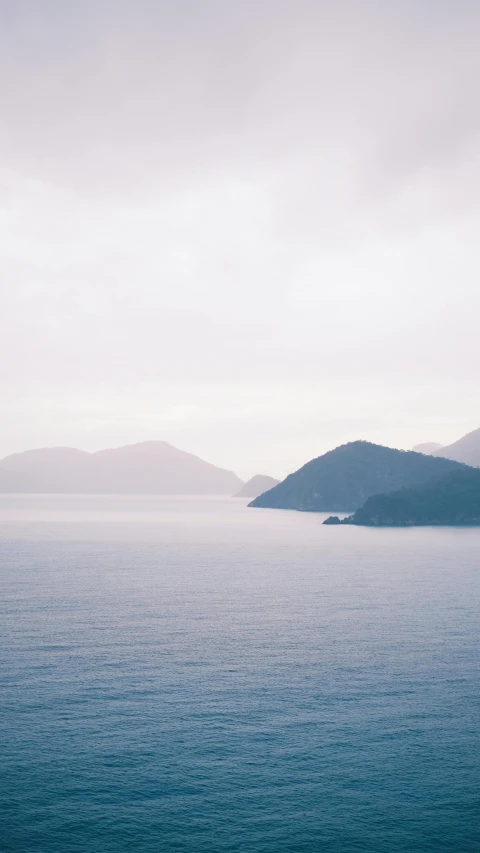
[{"x": 188, "y": 675}]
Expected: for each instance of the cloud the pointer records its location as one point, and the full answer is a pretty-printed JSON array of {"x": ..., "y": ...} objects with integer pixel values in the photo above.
[
  {"x": 244, "y": 196},
  {"x": 145, "y": 97}
]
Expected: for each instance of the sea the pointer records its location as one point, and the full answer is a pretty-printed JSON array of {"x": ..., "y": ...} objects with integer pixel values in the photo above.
[{"x": 191, "y": 675}]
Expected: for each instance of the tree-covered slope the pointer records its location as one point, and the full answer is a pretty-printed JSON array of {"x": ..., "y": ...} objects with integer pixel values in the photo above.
[
  {"x": 451, "y": 499},
  {"x": 344, "y": 478}
]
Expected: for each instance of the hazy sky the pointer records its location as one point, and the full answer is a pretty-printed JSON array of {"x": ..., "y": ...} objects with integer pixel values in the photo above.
[{"x": 248, "y": 227}]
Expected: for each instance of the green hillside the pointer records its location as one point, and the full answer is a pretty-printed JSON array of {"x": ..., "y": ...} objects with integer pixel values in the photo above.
[
  {"x": 453, "y": 499},
  {"x": 343, "y": 479}
]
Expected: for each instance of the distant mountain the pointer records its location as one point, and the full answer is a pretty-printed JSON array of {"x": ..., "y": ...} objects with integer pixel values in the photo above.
[
  {"x": 256, "y": 486},
  {"x": 152, "y": 467},
  {"x": 11, "y": 482},
  {"x": 344, "y": 478},
  {"x": 428, "y": 447},
  {"x": 453, "y": 499},
  {"x": 466, "y": 449}
]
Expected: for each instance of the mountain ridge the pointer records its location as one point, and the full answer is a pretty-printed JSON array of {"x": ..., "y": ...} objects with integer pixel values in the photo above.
[
  {"x": 427, "y": 447},
  {"x": 257, "y": 485},
  {"x": 465, "y": 449},
  {"x": 342, "y": 479},
  {"x": 144, "y": 468}
]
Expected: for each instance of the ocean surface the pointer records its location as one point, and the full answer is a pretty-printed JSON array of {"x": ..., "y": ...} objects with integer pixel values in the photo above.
[{"x": 192, "y": 675}]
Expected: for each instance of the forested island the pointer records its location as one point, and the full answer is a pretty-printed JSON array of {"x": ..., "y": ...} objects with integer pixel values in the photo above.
[
  {"x": 342, "y": 479},
  {"x": 453, "y": 499}
]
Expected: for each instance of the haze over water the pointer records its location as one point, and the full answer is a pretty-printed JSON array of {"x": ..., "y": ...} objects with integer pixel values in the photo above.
[{"x": 192, "y": 675}]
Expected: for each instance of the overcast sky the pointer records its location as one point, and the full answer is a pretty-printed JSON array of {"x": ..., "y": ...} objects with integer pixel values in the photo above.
[{"x": 247, "y": 227}]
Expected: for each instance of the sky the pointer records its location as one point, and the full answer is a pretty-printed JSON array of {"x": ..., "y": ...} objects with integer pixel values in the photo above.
[{"x": 247, "y": 228}]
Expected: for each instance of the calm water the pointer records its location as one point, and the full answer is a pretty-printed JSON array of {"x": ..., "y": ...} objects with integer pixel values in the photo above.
[{"x": 188, "y": 675}]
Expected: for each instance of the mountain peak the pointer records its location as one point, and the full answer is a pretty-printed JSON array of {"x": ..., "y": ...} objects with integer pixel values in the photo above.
[
  {"x": 345, "y": 477},
  {"x": 151, "y": 446},
  {"x": 256, "y": 486},
  {"x": 466, "y": 449},
  {"x": 150, "y": 467},
  {"x": 427, "y": 447}
]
